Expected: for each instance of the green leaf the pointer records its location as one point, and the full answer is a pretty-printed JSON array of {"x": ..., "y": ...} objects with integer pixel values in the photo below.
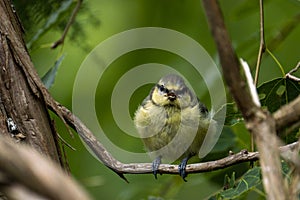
[
  {"x": 251, "y": 179},
  {"x": 273, "y": 94},
  {"x": 49, "y": 78},
  {"x": 53, "y": 19}
]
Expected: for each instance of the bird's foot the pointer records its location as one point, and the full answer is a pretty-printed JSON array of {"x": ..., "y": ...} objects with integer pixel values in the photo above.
[
  {"x": 155, "y": 165},
  {"x": 181, "y": 168}
]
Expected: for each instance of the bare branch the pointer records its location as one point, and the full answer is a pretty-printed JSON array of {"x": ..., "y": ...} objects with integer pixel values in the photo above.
[
  {"x": 262, "y": 48},
  {"x": 290, "y": 76},
  {"x": 15, "y": 190},
  {"x": 47, "y": 180},
  {"x": 144, "y": 168},
  {"x": 241, "y": 157},
  {"x": 28, "y": 168},
  {"x": 262, "y": 44},
  {"x": 288, "y": 114},
  {"x": 295, "y": 69},
  {"x": 260, "y": 123},
  {"x": 70, "y": 22}
]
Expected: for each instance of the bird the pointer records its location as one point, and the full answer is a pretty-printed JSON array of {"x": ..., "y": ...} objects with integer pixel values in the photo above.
[{"x": 172, "y": 122}]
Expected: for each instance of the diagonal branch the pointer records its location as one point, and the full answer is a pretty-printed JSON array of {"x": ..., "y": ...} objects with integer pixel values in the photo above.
[
  {"x": 288, "y": 114},
  {"x": 23, "y": 166},
  {"x": 70, "y": 22},
  {"x": 290, "y": 76},
  {"x": 260, "y": 123}
]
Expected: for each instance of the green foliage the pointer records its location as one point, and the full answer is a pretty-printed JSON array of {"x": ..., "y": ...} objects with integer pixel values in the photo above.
[
  {"x": 273, "y": 94},
  {"x": 38, "y": 17},
  {"x": 278, "y": 92},
  {"x": 49, "y": 78},
  {"x": 251, "y": 181},
  {"x": 248, "y": 181},
  {"x": 229, "y": 182},
  {"x": 41, "y": 17},
  {"x": 52, "y": 20},
  {"x": 33, "y": 12}
]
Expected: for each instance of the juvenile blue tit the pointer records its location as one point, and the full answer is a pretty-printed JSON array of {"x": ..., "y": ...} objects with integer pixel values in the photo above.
[{"x": 172, "y": 122}]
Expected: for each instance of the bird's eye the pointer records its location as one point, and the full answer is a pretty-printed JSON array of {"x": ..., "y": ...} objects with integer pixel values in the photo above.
[{"x": 162, "y": 88}]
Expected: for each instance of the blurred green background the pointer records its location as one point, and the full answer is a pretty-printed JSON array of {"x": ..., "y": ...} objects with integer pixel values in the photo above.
[{"x": 98, "y": 20}]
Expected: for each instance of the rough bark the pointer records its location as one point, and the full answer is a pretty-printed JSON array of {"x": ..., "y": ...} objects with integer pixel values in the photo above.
[{"x": 20, "y": 99}]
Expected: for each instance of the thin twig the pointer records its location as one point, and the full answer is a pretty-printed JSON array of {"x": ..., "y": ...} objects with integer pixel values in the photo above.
[
  {"x": 295, "y": 68},
  {"x": 70, "y": 22},
  {"x": 262, "y": 48},
  {"x": 290, "y": 76},
  {"x": 282, "y": 33},
  {"x": 262, "y": 44}
]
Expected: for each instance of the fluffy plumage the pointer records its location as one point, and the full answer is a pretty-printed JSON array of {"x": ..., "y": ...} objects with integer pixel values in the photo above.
[{"x": 172, "y": 122}]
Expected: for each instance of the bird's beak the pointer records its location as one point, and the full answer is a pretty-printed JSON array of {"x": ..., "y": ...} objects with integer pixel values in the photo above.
[{"x": 171, "y": 96}]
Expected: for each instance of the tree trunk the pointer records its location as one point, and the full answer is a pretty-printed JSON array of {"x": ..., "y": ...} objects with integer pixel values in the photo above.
[{"x": 21, "y": 101}]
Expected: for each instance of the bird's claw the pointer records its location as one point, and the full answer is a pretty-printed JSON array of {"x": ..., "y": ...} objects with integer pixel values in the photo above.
[
  {"x": 155, "y": 165},
  {"x": 181, "y": 168}
]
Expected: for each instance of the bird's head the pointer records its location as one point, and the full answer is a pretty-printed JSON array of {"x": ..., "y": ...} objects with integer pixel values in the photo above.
[{"x": 172, "y": 91}]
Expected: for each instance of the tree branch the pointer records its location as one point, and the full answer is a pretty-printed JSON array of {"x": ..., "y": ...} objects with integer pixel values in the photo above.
[
  {"x": 47, "y": 180},
  {"x": 262, "y": 48},
  {"x": 290, "y": 76},
  {"x": 262, "y": 44},
  {"x": 145, "y": 168},
  {"x": 288, "y": 114},
  {"x": 260, "y": 123},
  {"x": 70, "y": 22},
  {"x": 25, "y": 168}
]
